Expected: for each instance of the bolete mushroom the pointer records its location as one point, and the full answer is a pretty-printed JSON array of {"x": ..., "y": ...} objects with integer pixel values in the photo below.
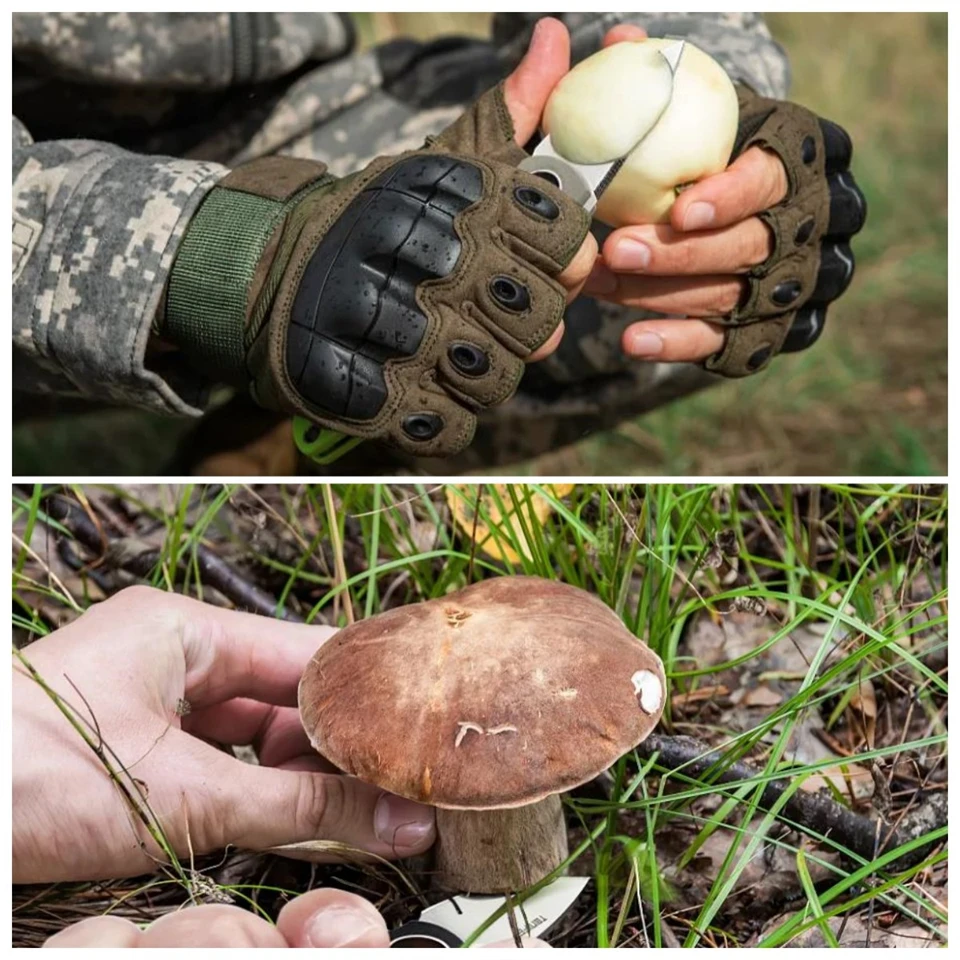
[{"x": 487, "y": 704}]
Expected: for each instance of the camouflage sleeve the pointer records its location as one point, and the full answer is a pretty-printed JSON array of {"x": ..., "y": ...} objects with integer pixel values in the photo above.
[
  {"x": 95, "y": 230},
  {"x": 740, "y": 42},
  {"x": 178, "y": 50}
]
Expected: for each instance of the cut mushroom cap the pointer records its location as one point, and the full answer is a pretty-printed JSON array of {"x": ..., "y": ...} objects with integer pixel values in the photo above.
[{"x": 496, "y": 696}]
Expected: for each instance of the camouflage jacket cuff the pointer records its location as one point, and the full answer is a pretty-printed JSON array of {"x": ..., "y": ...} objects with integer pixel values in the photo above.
[{"x": 95, "y": 232}]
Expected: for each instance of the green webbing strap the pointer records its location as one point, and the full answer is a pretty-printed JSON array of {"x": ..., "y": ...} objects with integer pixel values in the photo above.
[{"x": 209, "y": 283}]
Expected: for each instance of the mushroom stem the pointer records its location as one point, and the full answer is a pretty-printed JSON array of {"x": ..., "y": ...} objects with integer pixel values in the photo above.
[{"x": 499, "y": 851}]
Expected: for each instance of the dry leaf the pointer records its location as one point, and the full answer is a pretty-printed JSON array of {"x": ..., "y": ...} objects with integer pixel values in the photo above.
[
  {"x": 856, "y": 931},
  {"x": 716, "y": 692},
  {"x": 761, "y": 696},
  {"x": 274, "y": 454},
  {"x": 769, "y": 874},
  {"x": 477, "y": 523},
  {"x": 848, "y": 779}
]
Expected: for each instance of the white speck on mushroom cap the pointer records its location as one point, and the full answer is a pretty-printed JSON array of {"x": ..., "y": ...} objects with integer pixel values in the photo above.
[
  {"x": 466, "y": 725},
  {"x": 646, "y": 685}
]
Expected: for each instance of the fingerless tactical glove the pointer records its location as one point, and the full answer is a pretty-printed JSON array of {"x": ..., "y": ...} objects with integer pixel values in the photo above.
[
  {"x": 785, "y": 305},
  {"x": 392, "y": 304}
]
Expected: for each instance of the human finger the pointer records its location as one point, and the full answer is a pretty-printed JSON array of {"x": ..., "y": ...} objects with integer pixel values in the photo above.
[
  {"x": 231, "y": 654},
  {"x": 549, "y": 346},
  {"x": 527, "y": 89},
  {"x": 671, "y": 341},
  {"x": 259, "y": 808},
  {"x": 332, "y": 918},
  {"x": 623, "y": 32},
  {"x": 755, "y": 181},
  {"x": 211, "y": 925},
  {"x": 707, "y": 296},
  {"x": 97, "y": 932},
  {"x": 659, "y": 249},
  {"x": 275, "y": 733},
  {"x": 577, "y": 271}
]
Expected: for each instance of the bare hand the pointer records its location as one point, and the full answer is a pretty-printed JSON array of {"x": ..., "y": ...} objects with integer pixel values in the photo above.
[{"x": 140, "y": 660}]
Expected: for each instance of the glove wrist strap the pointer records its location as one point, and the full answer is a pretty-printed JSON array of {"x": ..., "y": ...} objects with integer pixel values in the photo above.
[{"x": 218, "y": 273}]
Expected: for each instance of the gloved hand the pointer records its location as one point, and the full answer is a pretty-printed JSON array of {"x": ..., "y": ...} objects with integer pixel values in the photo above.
[
  {"x": 751, "y": 256},
  {"x": 392, "y": 304},
  {"x": 784, "y": 307}
]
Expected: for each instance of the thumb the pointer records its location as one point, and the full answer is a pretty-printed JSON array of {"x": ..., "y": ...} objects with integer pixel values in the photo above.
[
  {"x": 332, "y": 918},
  {"x": 527, "y": 89},
  {"x": 624, "y": 32},
  {"x": 261, "y": 807}
]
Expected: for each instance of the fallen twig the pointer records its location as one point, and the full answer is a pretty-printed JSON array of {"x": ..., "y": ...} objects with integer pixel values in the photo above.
[
  {"x": 141, "y": 558},
  {"x": 815, "y": 813}
]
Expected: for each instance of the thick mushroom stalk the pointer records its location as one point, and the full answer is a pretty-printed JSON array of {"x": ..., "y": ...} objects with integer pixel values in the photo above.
[
  {"x": 499, "y": 851},
  {"x": 488, "y": 704}
]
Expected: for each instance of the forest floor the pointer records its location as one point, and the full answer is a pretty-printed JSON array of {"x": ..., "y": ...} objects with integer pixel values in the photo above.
[{"x": 803, "y": 630}]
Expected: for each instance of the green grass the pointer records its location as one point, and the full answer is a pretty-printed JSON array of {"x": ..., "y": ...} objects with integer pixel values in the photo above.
[
  {"x": 869, "y": 400},
  {"x": 839, "y": 558}
]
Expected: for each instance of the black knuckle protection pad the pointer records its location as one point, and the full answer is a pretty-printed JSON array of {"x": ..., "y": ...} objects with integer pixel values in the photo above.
[
  {"x": 805, "y": 329},
  {"x": 416, "y": 307},
  {"x": 356, "y": 305},
  {"x": 393, "y": 304},
  {"x": 812, "y": 264}
]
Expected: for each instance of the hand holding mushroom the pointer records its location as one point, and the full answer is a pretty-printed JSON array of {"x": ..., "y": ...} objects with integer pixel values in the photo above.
[
  {"x": 163, "y": 676},
  {"x": 750, "y": 255}
]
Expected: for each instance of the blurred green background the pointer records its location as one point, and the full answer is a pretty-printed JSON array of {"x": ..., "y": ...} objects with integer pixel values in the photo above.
[{"x": 870, "y": 399}]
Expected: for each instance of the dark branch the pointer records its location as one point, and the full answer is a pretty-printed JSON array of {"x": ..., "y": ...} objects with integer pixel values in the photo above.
[
  {"x": 141, "y": 559},
  {"x": 815, "y": 813}
]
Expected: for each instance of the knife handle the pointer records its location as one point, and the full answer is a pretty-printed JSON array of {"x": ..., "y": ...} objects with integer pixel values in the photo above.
[
  {"x": 564, "y": 176},
  {"x": 420, "y": 933}
]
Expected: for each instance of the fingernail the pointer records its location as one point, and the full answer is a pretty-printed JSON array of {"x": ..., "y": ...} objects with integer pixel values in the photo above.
[
  {"x": 699, "y": 216},
  {"x": 630, "y": 255},
  {"x": 399, "y": 822},
  {"x": 601, "y": 280},
  {"x": 341, "y": 926},
  {"x": 644, "y": 344}
]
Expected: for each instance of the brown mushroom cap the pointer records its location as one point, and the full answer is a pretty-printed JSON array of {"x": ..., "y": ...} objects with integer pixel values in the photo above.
[{"x": 495, "y": 696}]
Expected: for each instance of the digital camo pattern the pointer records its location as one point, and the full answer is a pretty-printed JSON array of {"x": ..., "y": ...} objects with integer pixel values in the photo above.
[
  {"x": 95, "y": 230},
  {"x": 95, "y": 227},
  {"x": 198, "y": 50},
  {"x": 318, "y": 101}
]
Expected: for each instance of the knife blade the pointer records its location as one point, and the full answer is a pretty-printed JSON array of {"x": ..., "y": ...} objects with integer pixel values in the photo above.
[{"x": 450, "y": 922}]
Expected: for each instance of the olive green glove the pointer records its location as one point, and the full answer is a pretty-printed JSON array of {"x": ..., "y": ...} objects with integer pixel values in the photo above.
[
  {"x": 785, "y": 305},
  {"x": 391, "y": 305}
]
